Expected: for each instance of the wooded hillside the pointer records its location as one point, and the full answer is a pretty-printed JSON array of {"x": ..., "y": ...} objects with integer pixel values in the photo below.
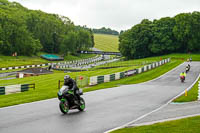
[
  {"x": 28, "y": 31},
  {"x": 179, "y": 34}
]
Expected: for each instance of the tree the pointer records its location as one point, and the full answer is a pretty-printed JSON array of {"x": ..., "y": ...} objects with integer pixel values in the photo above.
[
  {"x": 104, "y": 30},
  {"x": 182, "y": 30},
  {"x": 134, "y": 43},
  {"x": 163, "y": 38},
  {"x": 194, "y": 41},
  {"x": 28, "y": 31},
  {"x": 166, "y": 35},
  {"x": 69, "y": 43}
]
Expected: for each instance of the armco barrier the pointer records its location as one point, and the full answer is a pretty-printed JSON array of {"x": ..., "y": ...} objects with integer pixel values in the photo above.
[{"x": 106, "y": 78}]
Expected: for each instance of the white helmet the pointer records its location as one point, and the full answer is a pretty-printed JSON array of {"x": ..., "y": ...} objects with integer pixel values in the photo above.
[{"x": 66, "y": 78}]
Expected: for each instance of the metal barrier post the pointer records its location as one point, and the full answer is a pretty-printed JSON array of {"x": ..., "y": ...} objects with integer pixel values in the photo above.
[{"x": 59, "y": 84}]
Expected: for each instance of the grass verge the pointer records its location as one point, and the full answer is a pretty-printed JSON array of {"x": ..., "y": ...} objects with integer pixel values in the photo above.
[
  {"x": 139, "y": 78},
  {"x": 46, "y": 85},
  {"x": 192, "y": 95},
  {"x": 187, "y": 125},
  {"x": 10, "y": 61}
]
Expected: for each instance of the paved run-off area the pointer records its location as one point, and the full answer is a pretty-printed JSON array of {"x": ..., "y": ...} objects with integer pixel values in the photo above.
[{"x": 172, "y": 111}]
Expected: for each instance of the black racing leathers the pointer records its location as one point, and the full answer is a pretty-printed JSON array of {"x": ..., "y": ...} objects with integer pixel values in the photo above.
[{"x": 72, "y": 85}]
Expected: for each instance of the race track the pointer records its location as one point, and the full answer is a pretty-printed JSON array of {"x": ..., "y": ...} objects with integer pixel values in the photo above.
[{"x": 105, "y": 109}]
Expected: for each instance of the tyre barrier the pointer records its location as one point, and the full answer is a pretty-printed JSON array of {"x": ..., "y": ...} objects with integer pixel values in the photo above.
[
  {"x": 2, "y": 90},
  {"x": 112, "y": 77},
  {"x": 74, "y": 64},
  {"x": 107, "y": 78},
  {"x": 100, "y": 79},
  {"x": 67, "y": 64},
  {"x": 24, "y": 87},
  {"x": 21, "y": 67},
  {"x": 5, "y": 90},
  {"x": 122, "y": 75}
]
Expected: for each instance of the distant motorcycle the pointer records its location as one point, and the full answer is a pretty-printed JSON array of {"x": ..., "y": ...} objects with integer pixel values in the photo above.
[
  {"x": 187, "y": 69},
  {"x": 182, "y": 78},
  {"x": 68, "y": 100}
]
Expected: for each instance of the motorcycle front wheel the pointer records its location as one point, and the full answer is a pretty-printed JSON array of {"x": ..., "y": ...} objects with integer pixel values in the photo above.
[
  {"x": 64, "y": 106},
  {"x": 82, "y": 104}
]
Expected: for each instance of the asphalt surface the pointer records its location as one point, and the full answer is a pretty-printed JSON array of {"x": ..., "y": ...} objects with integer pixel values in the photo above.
[
  {"x": 7, "y": 74},
  {"x": 172, "y": 111},
  {"x": 105, "y": 109}
]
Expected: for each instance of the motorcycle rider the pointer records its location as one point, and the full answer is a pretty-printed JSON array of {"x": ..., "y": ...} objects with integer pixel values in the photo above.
[
  {"x": 183, "y": 74},
  {"x": 190, "y": 59},
  {"x": 72, "y": 85},
  {"x": 187, "y": 68}
]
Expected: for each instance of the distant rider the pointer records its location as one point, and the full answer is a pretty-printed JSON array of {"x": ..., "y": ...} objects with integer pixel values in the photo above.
[
  {"x": 190, "y": 59},
  {"x": 187, "y": 68},
  {"x": 183, "y": 74},
  {"x": 72, "y": 85}
]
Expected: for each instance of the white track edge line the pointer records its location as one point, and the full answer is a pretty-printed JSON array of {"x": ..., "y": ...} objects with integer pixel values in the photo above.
[
  {"x": 125, "y": 125},
  {"x": 164, "y": 120},
  {"x": 18, "y": 105}
]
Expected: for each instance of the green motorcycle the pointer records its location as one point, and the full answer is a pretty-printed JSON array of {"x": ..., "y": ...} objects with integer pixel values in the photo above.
[{"x": 68, "y": 100}]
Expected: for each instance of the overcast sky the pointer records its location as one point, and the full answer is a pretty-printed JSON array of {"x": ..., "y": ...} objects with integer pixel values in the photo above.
[{"x": 114, "y": 14}]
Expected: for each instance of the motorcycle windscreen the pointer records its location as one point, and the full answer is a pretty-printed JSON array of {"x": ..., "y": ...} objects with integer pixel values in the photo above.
[{"x": 63, "y": 89}]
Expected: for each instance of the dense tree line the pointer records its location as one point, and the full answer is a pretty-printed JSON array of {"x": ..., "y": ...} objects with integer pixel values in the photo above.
[
  {"x": 158, "y": 37},
  {"x": 104, "y": 30},
  {"x": 30, "y": 31}
]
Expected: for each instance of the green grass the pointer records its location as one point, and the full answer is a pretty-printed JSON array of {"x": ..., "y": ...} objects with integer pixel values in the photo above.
[
  {"x": 137, "y": 62},
  {"x": 195, "y": 57},
  {"x": 46, "y": 85},
  {"x": 187, "y": 125},
  {"x": 139, "y": 78},
  {"x": 79, "y": 57},
  {"x": 106, "y": 42},
  {"x": 13, "y": 70},
  {"x": 192, "y": 95},
  {"x": 8, "y": 61}
]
